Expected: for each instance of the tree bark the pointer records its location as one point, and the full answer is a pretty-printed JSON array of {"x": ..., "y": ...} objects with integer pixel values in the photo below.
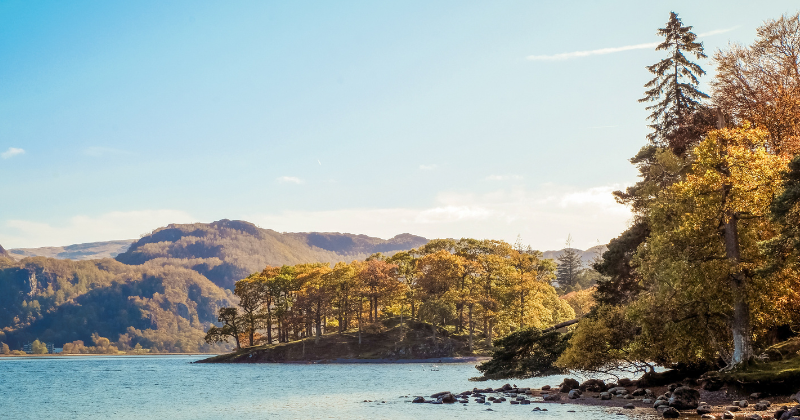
[{"x": 740, "y": 322}]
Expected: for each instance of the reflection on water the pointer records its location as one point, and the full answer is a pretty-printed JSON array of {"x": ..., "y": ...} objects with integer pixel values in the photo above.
[{"x": 169, "y": 387}]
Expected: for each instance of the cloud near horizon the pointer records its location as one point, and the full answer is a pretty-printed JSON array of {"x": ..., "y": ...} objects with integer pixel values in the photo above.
[
  {"x": 289, "y": 180},
  {"x": 82, "y": 229},
  {"x": 611, "y": 50},
  {"x": 11, "y": 152}
]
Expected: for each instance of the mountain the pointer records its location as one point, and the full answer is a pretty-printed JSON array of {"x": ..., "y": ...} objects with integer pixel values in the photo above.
[
  {"x": 228, "y": 250},
  {"x": 87, "y": 251},
  {"x": 4, "y": 253},
  {"x": 586, "y": 256}
]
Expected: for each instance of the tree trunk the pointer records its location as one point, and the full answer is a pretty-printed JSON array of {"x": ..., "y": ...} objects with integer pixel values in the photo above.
[
  {"x": 489, "y": 334},
  {"x": 740, "y": 323},
  {"x": 269, "y": 324},
  {"x": 319, "y": 324},
  {"x": 471, "y": 328}
]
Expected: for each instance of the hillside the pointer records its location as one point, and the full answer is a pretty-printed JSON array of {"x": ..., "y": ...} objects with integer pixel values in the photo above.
[
  {"x": 3, "y": 252},
  {"x": 228, "y": 250},
  {"x": 78, "y": 252},
  {"x": 586, "y": 256},
  {"x": 165, "y": 308},
  {"x": 414, "y": 340}
]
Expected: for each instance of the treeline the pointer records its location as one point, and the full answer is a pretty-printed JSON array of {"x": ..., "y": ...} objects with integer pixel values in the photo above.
[
  {"x": 708, "y": 274},
  {"x": 480, "y": 288}
]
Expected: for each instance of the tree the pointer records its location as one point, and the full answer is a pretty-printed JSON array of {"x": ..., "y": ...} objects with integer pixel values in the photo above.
[
  {"x": 569, "y": 265},
  {"x": 37, "y": 347},
  {"x": 703, "y": 256},
  {"x": 673, "y": 91},
  {"x": 4, "y": 348},
  {"x": 252, "y": 292},
  {"x": 232, "y": 327},
  {"x": 524, "y": 353},
  {"x": 760, "y": 84}
]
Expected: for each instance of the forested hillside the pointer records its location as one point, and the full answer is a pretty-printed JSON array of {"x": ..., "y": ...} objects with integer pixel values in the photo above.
[{"x": 228, "y": 250}]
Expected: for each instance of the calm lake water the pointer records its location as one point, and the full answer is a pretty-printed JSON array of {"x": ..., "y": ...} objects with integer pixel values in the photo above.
[{"x": 170, "y": 387}]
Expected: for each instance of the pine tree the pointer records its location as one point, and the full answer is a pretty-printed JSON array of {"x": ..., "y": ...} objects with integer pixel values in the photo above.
[
  {"x": 674, "y": 88},
  {"x": 569, "y": 265}
]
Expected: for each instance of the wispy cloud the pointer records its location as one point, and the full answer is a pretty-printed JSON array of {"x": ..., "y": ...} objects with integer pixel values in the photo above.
[
  {"x": 11, "y": 152},
  {"x": 601, "y": 51},
  {"x": 104, "y": 151},
  {"x": 428, "y": 167},
  {"x": 611, "y": 50},
  {"x": 289, "y": 180},
  {"x": 503, "y": 177}
]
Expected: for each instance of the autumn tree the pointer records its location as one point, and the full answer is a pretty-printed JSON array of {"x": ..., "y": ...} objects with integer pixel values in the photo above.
[
  {"x": 760, "y": 84},
  {"x": 232, "y": 327},
  {"x": 37, "y": 347}
]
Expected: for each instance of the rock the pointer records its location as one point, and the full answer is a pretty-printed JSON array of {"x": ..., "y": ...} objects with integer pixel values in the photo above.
[
  {"x": 625, "y": 382},
  {"x": 647, "y": 401},
  {"x": 790, "y": 412},
  {"x": 629, "y": 406},
  {"x": 447, "y": 398},
  {"x": 507, "y": 387},
  {"x": 523, "y": 402},
  {"x": 712, "y": 384},
  {"x": 707, "y": 416},
  {"x": 670, "y": 413},
  {"x": 551, "y": 397},
  {"x": 546, "y": 387},
  {"x": 628, "y": 397},
  {"x": 742, "y": 403},
  {"x": 673, "y": 387},
  {"x": 727, "y": 415},
  {"x": 574, "y": 394},
  {"x": 649, "y": 393},
  {"x": 605, "y": 396},
  {"x": 684, "y": 398},
  {"x": 439, "y": 394},
  {"x": 638, "y": 392},
  {"x": 757, "y": 395},
  {"x": 760, "y": 407},
  {"x": 514, "y": 402},
  {"x": 765, "y": 402},
  {"x": 593, "y": 385},
  {"x": 568, "y": 385},
  {"x": 795, "y": 397},
  {"x": 659, "y": 403},
  {"x": 418, "y": 400},
  {"x": 732, "y": 408},
  {"x": 704, "y": 409},
  {"x": 753, "y": 416}
]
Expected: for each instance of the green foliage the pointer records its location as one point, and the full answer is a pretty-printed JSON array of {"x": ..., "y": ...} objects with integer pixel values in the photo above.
[
  {"x": 524, "y": 353},
  {"x": 569, "y": 267},
  {"x": 37, "y": 347}
]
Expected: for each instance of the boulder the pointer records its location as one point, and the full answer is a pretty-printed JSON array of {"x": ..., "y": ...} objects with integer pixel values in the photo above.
[
  {"x": 574, "y": 394},
  {"x": 727, "y": 415},
  {"x": 673, "y": 387},
  {"x": 753, "y": 416},
  {"x": 647, "y": 401},
  {"x": 790, "y": 412},
  {"x": 757, "y": 395},
  {"x": 568, "y": 385},
  {"x": 525, "y": 402},
  {"x": 704, "y": 409},
  {"x": 439, "y": 394},
  {"x": 638, "y": 392},
  {"x": 670, "y": 413},
  {"x": 732, "y": 408},
  {"x": 447, "y": 398},
  {"x": 760, "y": 407},
  {"x": 765, "y": 402},
  {"x": 507, "y": 387},
  {"x": 795, "y": 397},
  {"x": 684, "y": 398},
  {"x": 708, "y": 416},
  {"x": 629, "y": 406},
  {"x": 418, "y": 400},
  {"x": 551, "y": 397},
  {"x": 742, "y": 403},
  {"x": 605, "y": 396},
  {"x": 546, "y": 387},
  {"x": 593, "y": 385}
]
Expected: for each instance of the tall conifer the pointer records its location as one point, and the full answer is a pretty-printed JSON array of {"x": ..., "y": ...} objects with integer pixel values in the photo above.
[{"x": 673, "y": 90}]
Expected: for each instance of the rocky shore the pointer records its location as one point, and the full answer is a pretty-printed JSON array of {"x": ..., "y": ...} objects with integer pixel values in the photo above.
[{"x": 678, "y": 400}]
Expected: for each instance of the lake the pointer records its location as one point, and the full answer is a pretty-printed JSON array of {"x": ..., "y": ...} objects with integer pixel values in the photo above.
[{"x": 170, "y": 387}]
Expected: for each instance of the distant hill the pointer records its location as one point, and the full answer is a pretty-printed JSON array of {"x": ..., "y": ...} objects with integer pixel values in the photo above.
[
  {"x": 3, "y": 252},
  {"x": 78, "y": 252},
  {"x": 228, "y": 250},
  {"x": 586, "y": 256}
]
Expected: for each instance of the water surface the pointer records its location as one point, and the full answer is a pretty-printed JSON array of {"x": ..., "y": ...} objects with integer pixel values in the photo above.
[{"x": 170, "y": 387}]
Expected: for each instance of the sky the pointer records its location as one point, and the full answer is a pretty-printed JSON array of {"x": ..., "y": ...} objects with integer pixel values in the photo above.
[{"x": 485, "y": 119}]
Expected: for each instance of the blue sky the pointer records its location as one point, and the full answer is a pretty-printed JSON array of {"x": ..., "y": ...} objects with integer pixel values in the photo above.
[{"x": 443, "y": 119}]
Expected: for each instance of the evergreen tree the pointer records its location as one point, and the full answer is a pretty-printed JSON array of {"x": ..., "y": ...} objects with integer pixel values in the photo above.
[
  {"x": 674, "y": 88},
  {"x": 569, "y": 266}
]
